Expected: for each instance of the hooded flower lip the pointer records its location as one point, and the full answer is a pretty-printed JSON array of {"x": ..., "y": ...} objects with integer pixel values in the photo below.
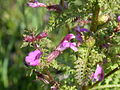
[
  {"x": 36, "y": 4},
  {"x": 33, "y": 58},
  {"x": 69, "y": 37},
  {"x": 99, "y": 74},
  {"x": 65, "y": 44}
]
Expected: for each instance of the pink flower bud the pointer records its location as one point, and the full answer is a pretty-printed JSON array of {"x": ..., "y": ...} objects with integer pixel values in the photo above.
[
  {"x": 29, "y": 38},
  {"x": 118, "y": 18},
  {"x": 36, "y": 4}
]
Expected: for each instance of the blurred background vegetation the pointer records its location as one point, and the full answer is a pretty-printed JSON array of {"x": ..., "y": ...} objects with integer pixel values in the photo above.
[{"x": 15, "y": 17}]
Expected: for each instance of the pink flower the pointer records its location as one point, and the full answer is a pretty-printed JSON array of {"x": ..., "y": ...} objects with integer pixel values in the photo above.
[
  {"x": 118, "y": 18},
  {"x": 33, "y": 58},
  {"x": 36, "y": 4},
  {"x": 99, "y": 74},
  {"x": 64, "y": 44}
]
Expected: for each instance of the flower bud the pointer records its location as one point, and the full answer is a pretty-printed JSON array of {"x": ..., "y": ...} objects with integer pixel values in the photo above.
[
  {"x": 118, "y": 18},
  {"x": 103, "y": 19},
  {"x": 90, "y": 42}
]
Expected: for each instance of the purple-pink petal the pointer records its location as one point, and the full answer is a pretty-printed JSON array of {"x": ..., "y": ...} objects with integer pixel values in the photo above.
[
  {"x": 79, "y": 37},
  {"x": 78, "y": 29},
  {"x": 36, "y": 4},
  {"x": 33, "y": 58},
  {"x": 84, "y": 30},
  {"x": 99, "y": 74},
  {"x": 64, "y": 45},
  {"x": 73, "y": 47},
  {"x": 118, "y": 18},
  {"x": 69, "y": 37}
]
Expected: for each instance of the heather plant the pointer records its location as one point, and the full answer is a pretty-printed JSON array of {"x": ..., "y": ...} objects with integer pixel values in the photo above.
[{"x": 67, "y": 44}]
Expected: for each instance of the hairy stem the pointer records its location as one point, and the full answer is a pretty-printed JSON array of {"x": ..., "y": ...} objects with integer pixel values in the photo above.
[{"x": 96, "y": 10}]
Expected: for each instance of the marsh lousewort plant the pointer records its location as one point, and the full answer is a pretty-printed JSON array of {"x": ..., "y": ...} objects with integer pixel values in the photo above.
[{"x": 74, "y": 42}]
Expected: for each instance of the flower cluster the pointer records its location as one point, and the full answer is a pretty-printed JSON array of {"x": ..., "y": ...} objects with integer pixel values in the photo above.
[{"x": 31, "y": 38}]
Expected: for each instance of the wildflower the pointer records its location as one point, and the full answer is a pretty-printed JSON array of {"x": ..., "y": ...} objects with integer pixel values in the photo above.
[
  {"x": 99, "y": 74},
  {"x": 64, "y": 44},
  {"x": 33, "y": 58},
  {"x": 118, "y": 18},
  {"x": 36, "y": 4}
]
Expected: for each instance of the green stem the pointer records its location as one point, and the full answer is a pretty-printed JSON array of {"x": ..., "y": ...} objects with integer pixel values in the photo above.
[
  {"x": 96, "y": 10},
  {"x": 110, "y": 73},
  {"x": 62, "y": 3}
]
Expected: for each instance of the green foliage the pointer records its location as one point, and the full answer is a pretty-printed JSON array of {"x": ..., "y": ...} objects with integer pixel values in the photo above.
[{"x": 72, "y": 70}]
